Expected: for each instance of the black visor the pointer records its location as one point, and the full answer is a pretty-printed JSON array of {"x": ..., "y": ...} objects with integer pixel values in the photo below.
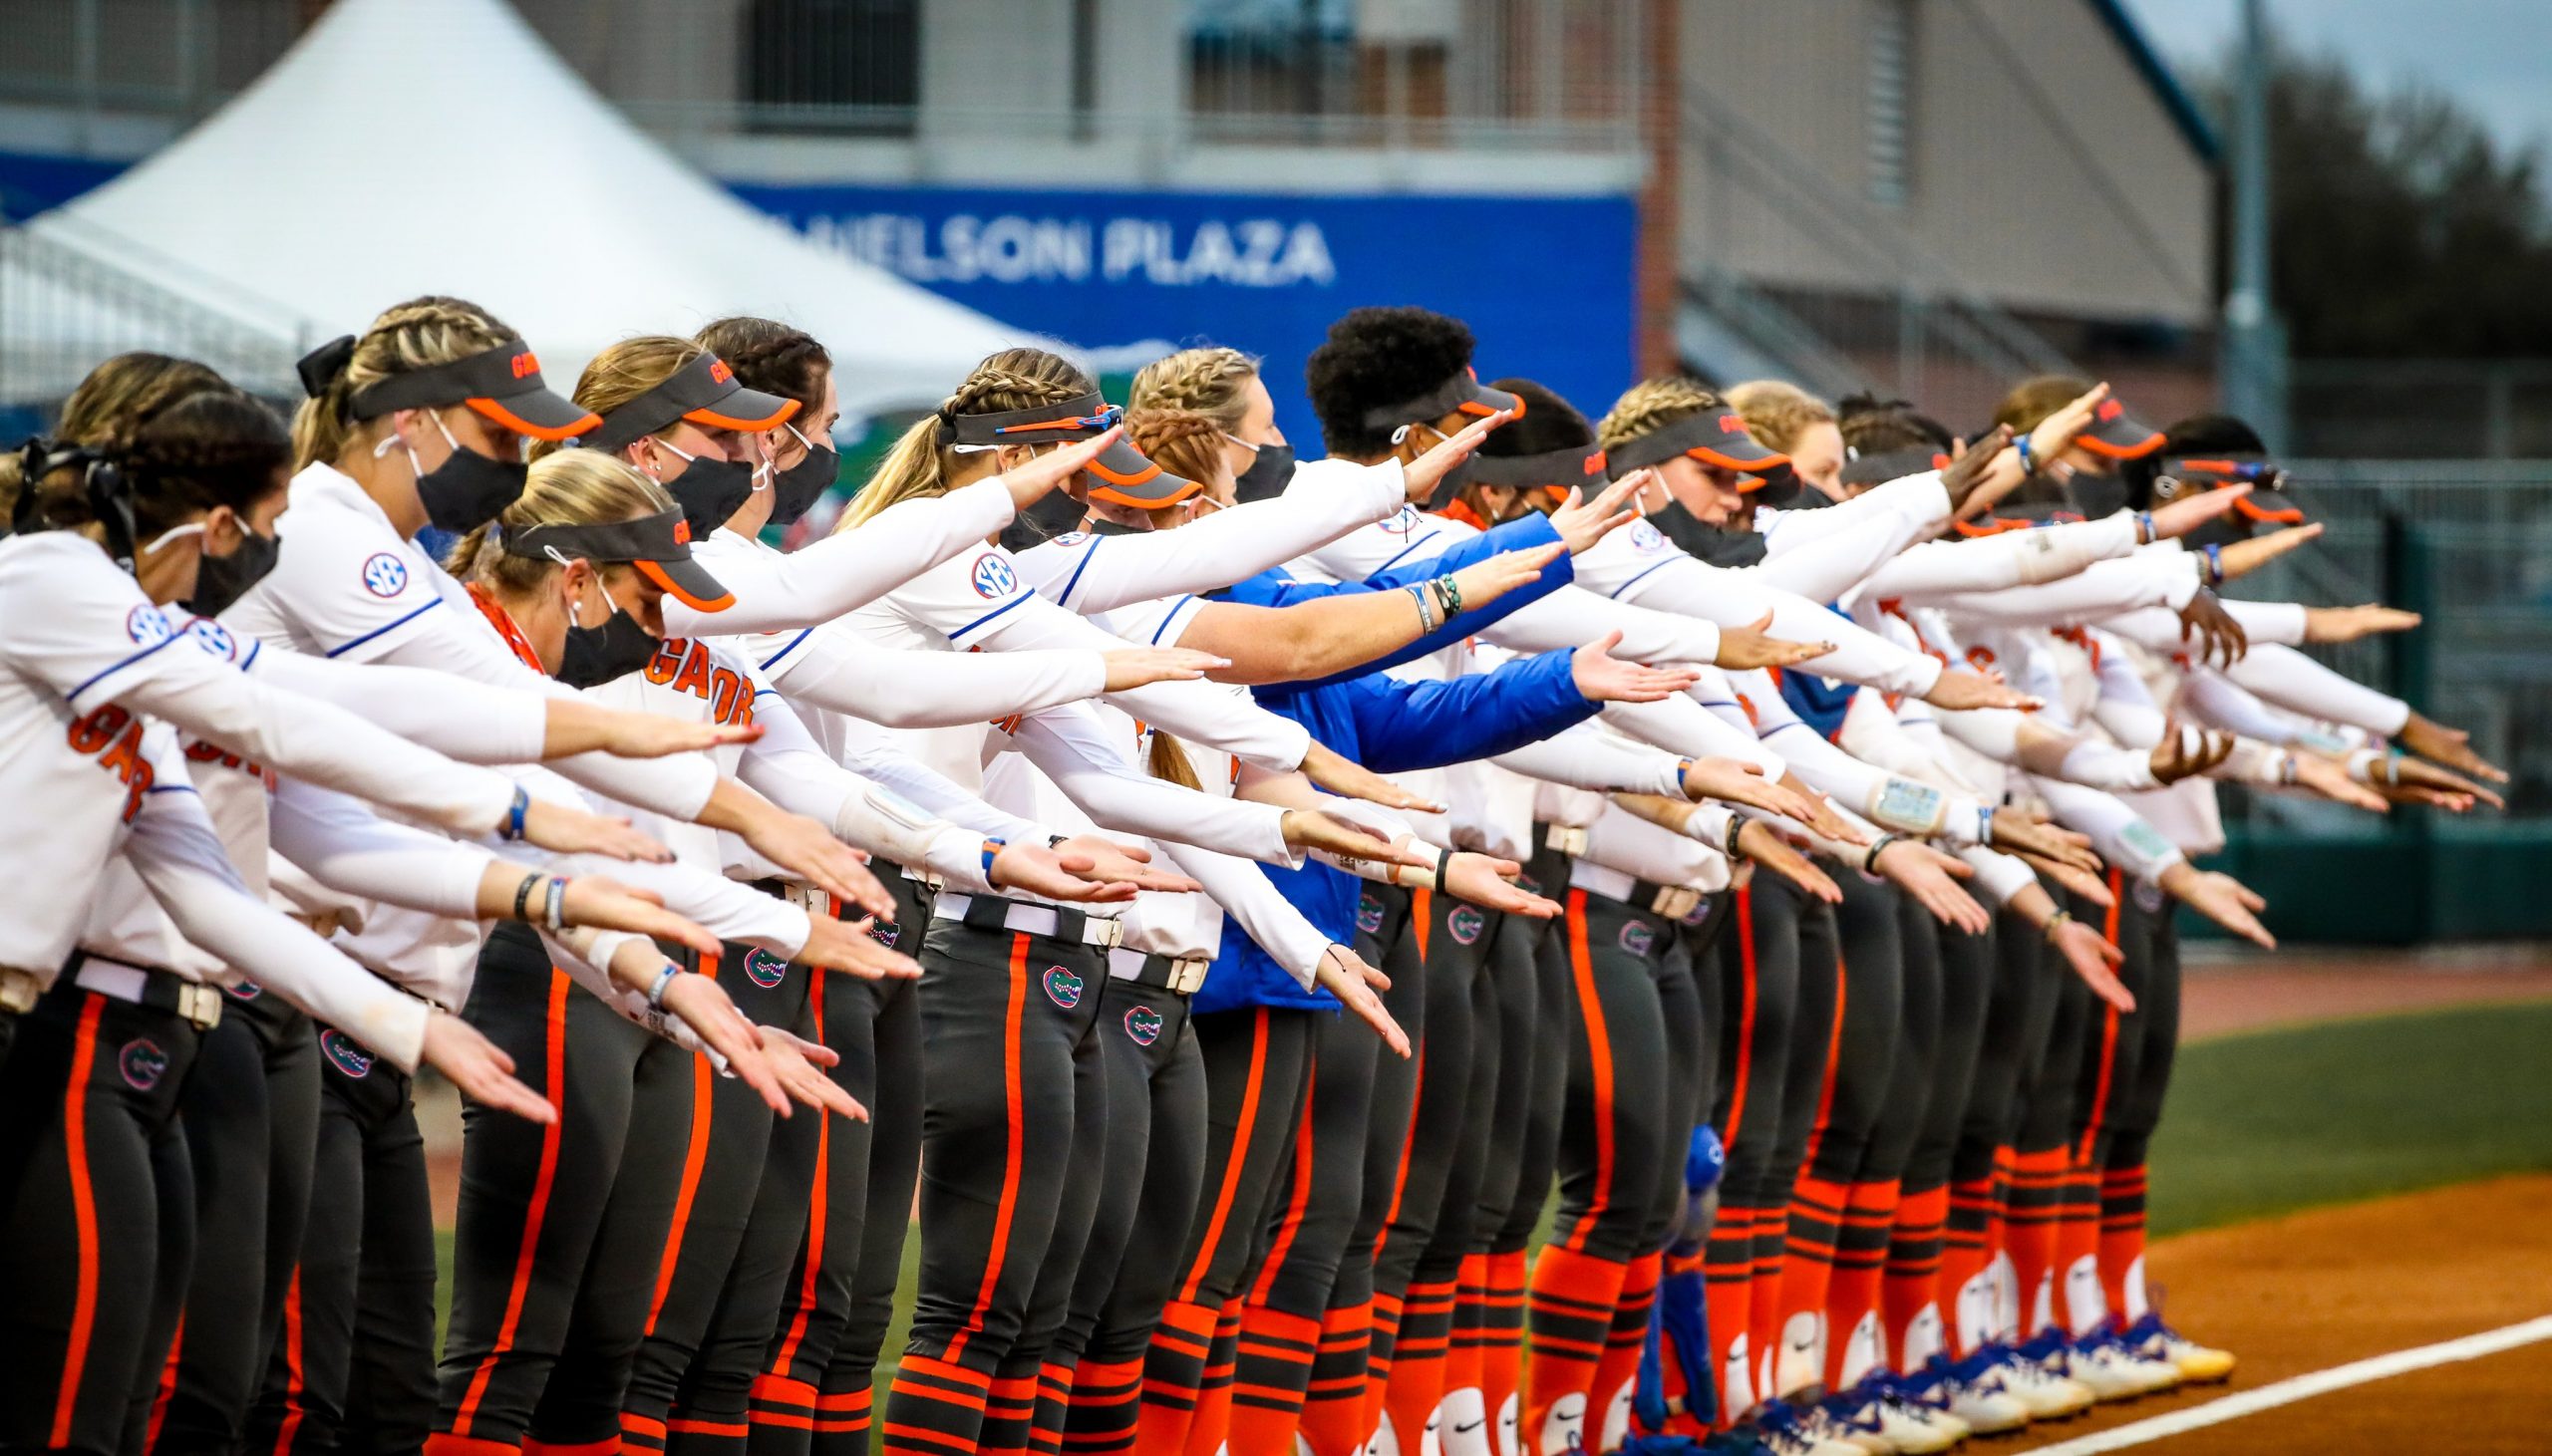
[
  {"x": 503, "y": 384},
  {"x": 1560, "y": 470},
  {"x": 2266, "y": 477},
  {"x": 1713, "y": 436},
  {"x": 1120, "y": 472},
  {"x": 703, "y": 391},
  {"x": 2118, "y": 434},
  {"x": 657, "y": 545},
  {"x": 1464, "y": 391},
  {"x": 1893, "y": 464}
]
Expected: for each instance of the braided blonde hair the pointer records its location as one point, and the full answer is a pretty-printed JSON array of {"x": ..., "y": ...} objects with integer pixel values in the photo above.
[
  {"x": 622, "y": 373},
  {"x": 1207, "y": 380},
  {"x": 1649, "y": 405},
  {"x": 418, "y": 333},
  {"x": 917, "y": 466},
  {"x": 1182, "y": 442},
  {"x": 1777, "y": 411}
]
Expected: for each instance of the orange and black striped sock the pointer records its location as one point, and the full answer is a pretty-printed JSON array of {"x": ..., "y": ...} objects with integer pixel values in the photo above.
[
  {"x": 1625, "y": 1336},
  {"x": 1173, "y": 1372},
  {"x": 2081, "y": 1306},
  {"x": 1966, "y": 1252},
  {"x": 1106, "y": 1406},
  {"x": 1571, "y": 1305},
  {"x": 1384, "y": 1341},
  {"x": 935, "y": 1408},
  {"x": 1854, "y": 1344},
  {"x": 1008, "y": 1409},
  {"x": 1501, "y": 1355},
  {"x": 2030, "y": 1218},
  {"x": 1273, "y": 1370},
  {"x": 1054, "y": 1397},
  {"x": 1910, "y": 1291},
  {"x": 1727, "y": 1284},
  {"x": 641, "y": 1432},
  {"x": 1465, "y": 1355},
  {"x": 2122, "y": 1242},
  {"x": 692, "y": 1435},
  {"x": 1763, "y": 1294},
  {"x": 1807, "y": 1272},
  {"x": 1421, "y": 1348},
  {"x": 1205, "y": 1434},
  {"x": 1334, "y": 1403},
  {"x": 444, "y": 1443},
  {"x": 607, "y": 1446},
  {"x": 842, "y": 1422},
  {"x": 782, "y": 1412}
]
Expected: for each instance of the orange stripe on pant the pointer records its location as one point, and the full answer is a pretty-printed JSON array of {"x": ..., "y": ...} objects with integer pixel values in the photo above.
[
  {"x": 84, "y": 1215},
  {"x": 1599, "y": 1048},
  {"x": 553, "y": 1066},
  {"x": 1015, "y": 1010}
]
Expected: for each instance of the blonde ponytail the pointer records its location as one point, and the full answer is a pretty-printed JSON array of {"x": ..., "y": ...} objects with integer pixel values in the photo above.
[{"x": 418, "y": 333}]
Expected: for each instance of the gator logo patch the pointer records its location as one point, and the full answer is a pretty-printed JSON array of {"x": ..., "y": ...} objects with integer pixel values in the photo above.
[
  {"x": 143, "y": 1063},
  {"x": 1368, "y": 915},
  {"x": 1143, "y": 1024},
  {"x": 764, "y": 968},
  {"x": 1465, "y": 923},
  {"x": 2148, "y": 897},
  {"x": 1699, "y": 912},
  {"x": 245, "y": 989},
  {"x": 1062, "y": 987},
  {"x": 344, "y": 1055},
  {"x": 1638, "y": 938}
]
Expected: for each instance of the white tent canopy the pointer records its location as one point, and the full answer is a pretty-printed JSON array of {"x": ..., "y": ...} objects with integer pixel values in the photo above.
[{"x": 402, "y": 148}]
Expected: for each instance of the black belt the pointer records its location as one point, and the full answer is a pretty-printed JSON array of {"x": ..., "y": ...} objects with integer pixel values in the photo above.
[
  {"x": 1181, "y": 974},
  {"x": 150, "y": 986}
]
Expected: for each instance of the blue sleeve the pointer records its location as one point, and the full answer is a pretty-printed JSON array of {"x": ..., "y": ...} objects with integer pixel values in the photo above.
[
  {"x": 1427, "y": 725},
  {"x": 1276, "y": 589}
]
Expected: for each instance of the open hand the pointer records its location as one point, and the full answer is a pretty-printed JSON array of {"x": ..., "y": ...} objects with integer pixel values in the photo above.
[{"x": 1603, "y": 677}]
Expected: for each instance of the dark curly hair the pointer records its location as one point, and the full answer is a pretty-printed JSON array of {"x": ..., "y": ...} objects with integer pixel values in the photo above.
[
  {"x": 1550, "y": 423},
  {"x": 2199, "y": 435},
  {"x": 1874, "y": 426},
  {"x": 217, "y": 448},
  {"x": 1374, "y": 357},
  {"x": 770, "y": 357}
]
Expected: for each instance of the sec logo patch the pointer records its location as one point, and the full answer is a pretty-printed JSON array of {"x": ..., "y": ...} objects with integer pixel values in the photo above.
[
  {"x": 1072, "y": 538},
  {"x": 143, "y": 1063},
  {"x": 1465, "y": 923},
  {"x": 764, "y": 968},
  {"x": 1403, "y": 523},
  {"x": 1646, "y": 539},
  {"x": 1143, "y": 1024},
  {"x": 993, "y": 577},
  {"x": 385, "y": 575},
  {"x": 213, "y": 638},
  {"x": 145, "y": 625},
  {"x": 1368, "y": 915},
  {"x": 1637, "y": 937},
  {"x": 345, "y": 1054},
  {"x": 1063, "y": 987}
]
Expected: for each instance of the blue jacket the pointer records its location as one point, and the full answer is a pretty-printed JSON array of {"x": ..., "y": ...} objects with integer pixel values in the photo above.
[{"x": 1388, "y": 725}]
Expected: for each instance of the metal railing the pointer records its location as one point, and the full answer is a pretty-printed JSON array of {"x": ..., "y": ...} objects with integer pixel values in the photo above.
[
  {"x": 2424, "y": 409},
  {"x": 66, "y": 304},
  {"x": 1939, "y": 322}
]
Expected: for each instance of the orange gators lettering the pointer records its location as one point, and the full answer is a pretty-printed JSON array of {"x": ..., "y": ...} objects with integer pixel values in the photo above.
[
  {"x": 685, "y": 666},
  {"x": 719, "y": 371},
  {"x": 114, "y": 738},
  {"x": 525, "y": 365},
  {"x": 215, "y": 755},
  {"x": 1733, "y": 423}
]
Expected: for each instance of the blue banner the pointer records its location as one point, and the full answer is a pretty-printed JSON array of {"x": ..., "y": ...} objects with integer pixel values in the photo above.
[{"x": 1547, "y": 284}]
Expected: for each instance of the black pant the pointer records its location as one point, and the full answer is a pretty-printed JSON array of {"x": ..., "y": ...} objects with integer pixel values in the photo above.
[
  {"x": 533, "y": 1204},
  {"x": 1613, "y": 1131},
  {"x": 290, "y": 1042},
  {"x": 1006, "y": 1025},
  {"x": 100, "y": 1218},
  {"x": 213, "y": 1370},
  {"x": 359, "y": 1350}
]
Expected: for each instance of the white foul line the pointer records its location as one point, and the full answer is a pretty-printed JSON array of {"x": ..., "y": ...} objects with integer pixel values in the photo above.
[{"x": 2303, "y": 1388}]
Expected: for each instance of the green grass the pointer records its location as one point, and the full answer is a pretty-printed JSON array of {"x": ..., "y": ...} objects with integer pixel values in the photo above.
[{"x": 2273, "y": 1121}]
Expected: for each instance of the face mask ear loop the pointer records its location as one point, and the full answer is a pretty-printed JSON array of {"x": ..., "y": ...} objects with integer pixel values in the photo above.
[{"x": 173, "y": 533}]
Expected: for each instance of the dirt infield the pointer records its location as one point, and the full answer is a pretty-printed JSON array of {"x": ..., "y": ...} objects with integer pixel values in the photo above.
[
  {"x": 2316, "y": 1289},
  {"x": 2230, "y": 992}
]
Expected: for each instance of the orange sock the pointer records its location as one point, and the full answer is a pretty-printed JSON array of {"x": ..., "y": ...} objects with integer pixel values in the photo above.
[
  {"x": 2079, "y": 1300},
  {"x": 1205, "y": 1434},
  {"x": 1333, "y": 1422},
  {"x": 1763, "y": 1294},
  {"x": 2037, "y": 1191},
  {"x": 1728, "y": 1265},
  {"x": 1501, "y": 1358},
  {"x": 1422, "y": 1343},
  {"x": 1910, "y": 1293},
  {"x": 1854, "y": 1346},
  {"x": 1274, "y": 1366},
  {"x": 2122, "y": 1243},
  {"x": 1808, "y": 1270},
  {"x": 1623, "y": 1341},
  {"x": 1570, "y": 1306},
  {"x": 1106, "y": 1408},
  {"x": 1379, "y": 1354},
  {"x": 1173, "y": 1374},
  {"x": 1465, "y": 1359}
]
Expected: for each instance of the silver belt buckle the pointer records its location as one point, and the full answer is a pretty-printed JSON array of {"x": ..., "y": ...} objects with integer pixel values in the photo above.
[
  {"x": 1676, "y": 901},
  {"x": 19, "y": 989},
  {"x": 1567, "y": 839},
  {"x": 200, "y": 1005}
]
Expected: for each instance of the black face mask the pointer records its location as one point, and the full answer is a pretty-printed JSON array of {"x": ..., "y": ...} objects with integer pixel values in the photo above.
[
  {"x": 221, "y": 580},
  {"x": 1782, "y": 491},
  {"x": 1718, "y": 545},
  {"x": 468, "y": 490},
  {"x": 796, "y": 490},
  {"x": 1056, "y": 513},
  {"x": 1269, "y": 472},
  {"x": 2096, "y": 495},
  {"x": 709, "y": 491},
  {"x": 599, "y": 654}
]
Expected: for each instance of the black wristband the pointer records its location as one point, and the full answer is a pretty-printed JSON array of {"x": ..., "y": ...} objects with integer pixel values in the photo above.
[
  {"x": 522, "y": 896},
  {"x": 1869, "y": 861}
]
